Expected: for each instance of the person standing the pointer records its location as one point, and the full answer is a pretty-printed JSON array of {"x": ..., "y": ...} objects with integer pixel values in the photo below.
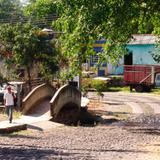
[{"x": 9, "y": 103}]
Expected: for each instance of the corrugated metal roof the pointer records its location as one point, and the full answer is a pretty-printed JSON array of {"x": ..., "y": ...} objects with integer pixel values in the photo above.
[{"x": 143, "y": 39}]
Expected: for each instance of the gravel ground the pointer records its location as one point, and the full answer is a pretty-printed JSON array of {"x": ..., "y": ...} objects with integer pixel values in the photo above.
[
  {"x": 83, "y": 143},
  {"x": 135, "y": 138}
]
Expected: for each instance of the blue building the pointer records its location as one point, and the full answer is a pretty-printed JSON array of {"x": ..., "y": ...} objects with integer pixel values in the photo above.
[{"x": 140, "y": 50}]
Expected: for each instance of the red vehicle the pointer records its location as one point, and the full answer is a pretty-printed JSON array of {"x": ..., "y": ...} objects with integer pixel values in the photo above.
[{"x": 142, "y": 77}]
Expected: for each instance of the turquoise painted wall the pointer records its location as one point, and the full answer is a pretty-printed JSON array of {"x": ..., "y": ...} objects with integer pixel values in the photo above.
[{"x": 142, "y": 54}]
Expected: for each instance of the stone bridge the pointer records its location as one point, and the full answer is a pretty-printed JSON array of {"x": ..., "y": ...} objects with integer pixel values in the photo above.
[
  {"x": 36, "y": 97},
  {"x": 63, "y": 104}
]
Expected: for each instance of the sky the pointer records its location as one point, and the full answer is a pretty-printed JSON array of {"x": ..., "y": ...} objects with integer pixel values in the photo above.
[{"x": 24, "y": 1}]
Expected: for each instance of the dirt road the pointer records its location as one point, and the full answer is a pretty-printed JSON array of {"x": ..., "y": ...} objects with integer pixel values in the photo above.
[{"x": 137, "y": 103}]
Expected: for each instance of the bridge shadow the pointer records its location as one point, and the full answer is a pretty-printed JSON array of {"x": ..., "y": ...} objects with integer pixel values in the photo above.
[
  {"x": 100, "y": 117},
  {"x": 89, "y": 118},
  {"x": 29, "y": 126}
]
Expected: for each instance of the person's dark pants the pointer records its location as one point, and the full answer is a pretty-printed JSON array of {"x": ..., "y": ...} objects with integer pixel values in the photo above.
[{"x": 9, "y": 112}]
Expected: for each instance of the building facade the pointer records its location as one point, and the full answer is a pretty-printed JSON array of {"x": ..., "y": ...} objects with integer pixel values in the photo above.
[{"x": 140, "y": 50}]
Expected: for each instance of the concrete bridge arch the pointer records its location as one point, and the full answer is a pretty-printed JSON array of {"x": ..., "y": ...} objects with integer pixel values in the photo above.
[
  {"x": 65, "y": 104},
  {"x": 62, "y": 105},
  {"x": 36, "y": 97}
]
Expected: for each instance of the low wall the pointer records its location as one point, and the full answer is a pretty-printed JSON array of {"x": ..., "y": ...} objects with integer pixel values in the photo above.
[
  {"x": 38, "y": 94},
  {"x": 67, "y": 94}
]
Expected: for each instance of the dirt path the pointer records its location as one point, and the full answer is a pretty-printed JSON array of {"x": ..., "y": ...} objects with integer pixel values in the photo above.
[{"x": 138, "y": 102}]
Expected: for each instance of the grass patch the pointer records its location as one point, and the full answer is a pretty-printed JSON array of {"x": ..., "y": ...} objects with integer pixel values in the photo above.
[
  {"x": 23, "y": 132},
  {"x": 16, "y": 114},
  {"x": 118, "y": 89},
  {"x": 155, "y": 91},
  {"x": 18, "y": 133}
]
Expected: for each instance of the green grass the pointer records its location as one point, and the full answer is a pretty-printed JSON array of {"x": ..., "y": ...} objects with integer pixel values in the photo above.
[
  {"x": 16, "y": 114},
  {"x": 118, "y": 89},
  {"x": 127, "y": 89},
  {"x": 18, "y": 133},
  {"x": 155, "y": 91}
]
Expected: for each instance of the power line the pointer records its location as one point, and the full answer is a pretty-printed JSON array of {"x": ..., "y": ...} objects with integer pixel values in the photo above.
[
  {"x": 43, "y": 20},
  {"x": 52, "y": 17}
]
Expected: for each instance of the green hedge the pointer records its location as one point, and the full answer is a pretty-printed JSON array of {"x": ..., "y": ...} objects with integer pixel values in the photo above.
[{"x": 92, "y": 84}]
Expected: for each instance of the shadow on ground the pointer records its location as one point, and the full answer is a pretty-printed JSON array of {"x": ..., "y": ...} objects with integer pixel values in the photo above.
[{"x": 29, "y": 152}]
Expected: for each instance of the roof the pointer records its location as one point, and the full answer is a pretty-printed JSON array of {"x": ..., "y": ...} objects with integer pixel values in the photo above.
[
  {"x": 143, "y": 39},
  {"x": 136, "y": 39}
]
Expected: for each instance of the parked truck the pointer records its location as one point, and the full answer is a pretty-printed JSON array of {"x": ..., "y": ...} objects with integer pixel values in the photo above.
[{"x": 142, "y": 77}]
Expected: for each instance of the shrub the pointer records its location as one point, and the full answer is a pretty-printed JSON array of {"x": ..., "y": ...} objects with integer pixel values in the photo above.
[
  {"x": 86, "y": 83},
  {"x": 99, "y": 85}
]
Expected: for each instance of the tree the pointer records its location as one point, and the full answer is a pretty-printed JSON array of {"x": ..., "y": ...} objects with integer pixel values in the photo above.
[
  {"x": 26, "y": 45},
  {"x": 41, "y": 12},
  {"x": 10, "y": 11},
  {"x": 83, "y": 22}
]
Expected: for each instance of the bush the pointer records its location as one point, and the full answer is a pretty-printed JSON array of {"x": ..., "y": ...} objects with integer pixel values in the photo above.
[
  {"x": 92, "y": 84},
  {"x": 99, "y": 85},
  {"x": 86, "y": 83}
]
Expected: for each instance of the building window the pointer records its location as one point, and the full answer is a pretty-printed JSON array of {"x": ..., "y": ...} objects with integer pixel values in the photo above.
[{"x": 95, "y": 59}]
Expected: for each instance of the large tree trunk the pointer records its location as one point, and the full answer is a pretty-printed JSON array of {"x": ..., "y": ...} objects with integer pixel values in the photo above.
[{"x": 29, "y": 78}]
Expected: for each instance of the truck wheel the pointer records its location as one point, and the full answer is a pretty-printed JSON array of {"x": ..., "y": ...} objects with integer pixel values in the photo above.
[
  {"x": 139, "y": 88},
  {"x": 130, "y": 87},
  {"x": 147, "y": 89}
]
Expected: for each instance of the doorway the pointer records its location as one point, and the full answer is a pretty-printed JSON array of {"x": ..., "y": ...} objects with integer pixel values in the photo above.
[{"x": 128, "y": 59}]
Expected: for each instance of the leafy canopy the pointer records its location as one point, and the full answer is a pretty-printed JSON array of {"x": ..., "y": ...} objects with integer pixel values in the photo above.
[
  {"x": 84, "y": 21},
  {"x": 25, "y": 45},
  {"x": 10, "y": 10}
]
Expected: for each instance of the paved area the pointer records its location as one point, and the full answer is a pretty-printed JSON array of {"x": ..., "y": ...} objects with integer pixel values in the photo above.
[{"x": 40, "y": 114}]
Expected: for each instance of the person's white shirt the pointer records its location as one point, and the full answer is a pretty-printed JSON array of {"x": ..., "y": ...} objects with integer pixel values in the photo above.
[{"x": 9, "y": 99}]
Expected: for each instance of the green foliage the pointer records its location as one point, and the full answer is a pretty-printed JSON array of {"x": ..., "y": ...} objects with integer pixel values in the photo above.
[
  {"x": 156, "y": 54},
  {"x": 41, "y": 8},
  {"x": 25, "y": 45},
  {"x": 113, "y": 20},
  {"x": 86, "y": 84},
  {"x": 10, "y": 10},
  {"x": 83, "y": 22},
  {"x": 90, "y": 84},
  {"x": 41, "y": 11},
  {"x": 68, "y": 74},
  {"x": 99, "y": 85}
]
